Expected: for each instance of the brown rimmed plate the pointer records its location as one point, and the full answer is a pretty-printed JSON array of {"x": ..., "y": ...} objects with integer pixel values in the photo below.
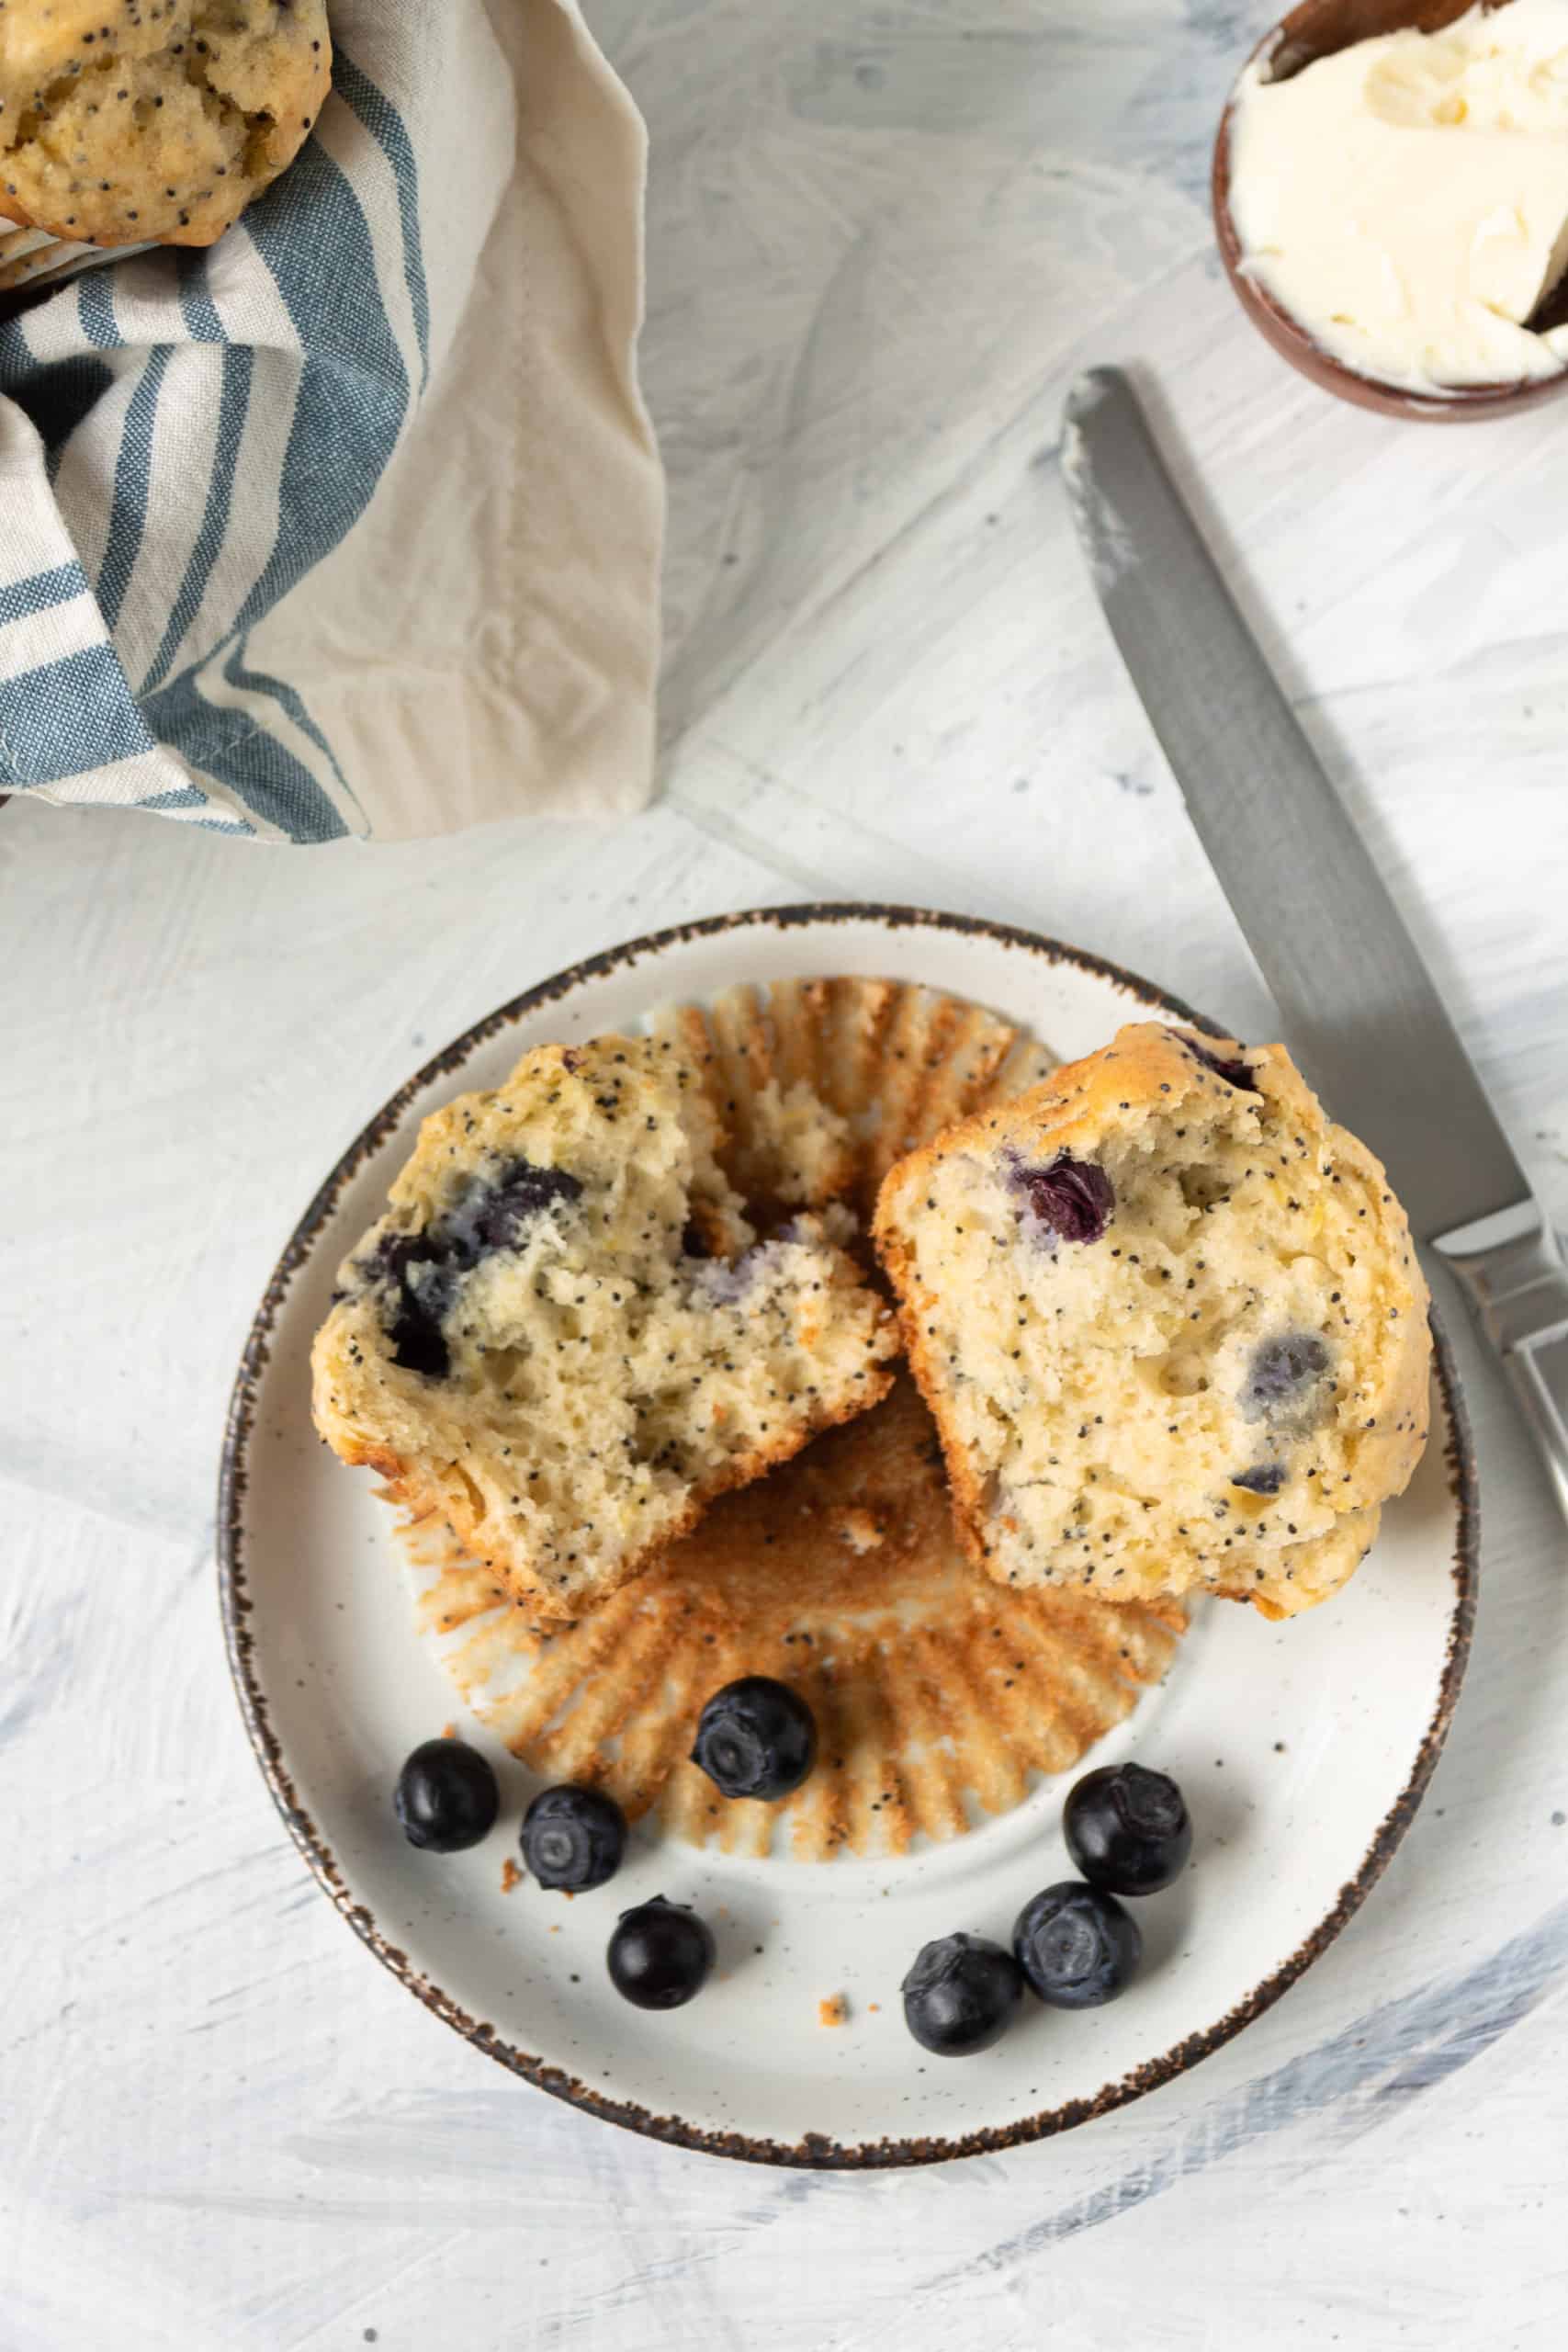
[{"x": 1304, "y": 1747}]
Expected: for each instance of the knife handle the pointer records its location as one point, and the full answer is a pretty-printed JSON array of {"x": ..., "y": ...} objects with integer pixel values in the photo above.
[{"x": 1513, "y": 1267}]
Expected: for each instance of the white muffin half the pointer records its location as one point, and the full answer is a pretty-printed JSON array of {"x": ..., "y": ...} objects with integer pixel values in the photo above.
[
  {"x": 567, "y": 1338},
  {"x": 1170, "y": 1323}
]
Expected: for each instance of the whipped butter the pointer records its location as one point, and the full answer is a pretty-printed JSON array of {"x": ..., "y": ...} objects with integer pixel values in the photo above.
[{"x": 1406, "y": 199}]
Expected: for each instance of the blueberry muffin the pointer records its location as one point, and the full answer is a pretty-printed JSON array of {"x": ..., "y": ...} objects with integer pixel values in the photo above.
[
  {"x": 566, "y": 1337},
  {"x": 124, "y": 122},
  {"x": 1170, "y": 1323}
]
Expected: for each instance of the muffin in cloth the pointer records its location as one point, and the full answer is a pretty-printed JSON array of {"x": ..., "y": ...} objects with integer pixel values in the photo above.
[{"x": 129, "y": 122}]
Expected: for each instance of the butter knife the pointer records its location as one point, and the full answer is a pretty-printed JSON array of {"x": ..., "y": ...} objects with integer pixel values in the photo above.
[{"x": 1359, "y": 1006}]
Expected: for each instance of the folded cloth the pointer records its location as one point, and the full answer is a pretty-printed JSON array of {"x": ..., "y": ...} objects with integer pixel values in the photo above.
[{"x": 350, "y": 525}]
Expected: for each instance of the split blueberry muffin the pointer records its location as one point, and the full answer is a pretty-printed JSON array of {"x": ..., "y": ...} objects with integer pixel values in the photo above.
[
  {"x": 1170, "y": 1324},
  {"x": 566, "y": 1337}
]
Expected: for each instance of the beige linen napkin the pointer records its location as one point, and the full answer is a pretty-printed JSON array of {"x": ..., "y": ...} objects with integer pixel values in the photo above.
[
  {"x": 487, "y": 639},
  {"x": 351, "y": 524}
]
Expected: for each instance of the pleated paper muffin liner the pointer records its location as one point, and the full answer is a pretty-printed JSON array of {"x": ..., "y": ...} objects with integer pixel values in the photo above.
[{"x": 940, "y": 1697}]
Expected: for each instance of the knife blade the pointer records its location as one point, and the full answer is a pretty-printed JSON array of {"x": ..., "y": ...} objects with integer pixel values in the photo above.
[{"x": 1360, "y": 1008}]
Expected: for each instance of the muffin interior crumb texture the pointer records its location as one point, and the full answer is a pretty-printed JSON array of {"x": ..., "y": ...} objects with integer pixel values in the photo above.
[
  {"x": 1171, "y": 1324},
  {"x": 128, "y": 121},
  {"x": 567, "y": 1336}
]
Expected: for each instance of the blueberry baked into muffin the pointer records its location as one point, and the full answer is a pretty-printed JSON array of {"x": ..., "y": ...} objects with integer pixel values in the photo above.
[
  {"x": 566, "y": 1337},
  {"x": 1170, "y": 1324},
  {"x": 126, "y": 123}
]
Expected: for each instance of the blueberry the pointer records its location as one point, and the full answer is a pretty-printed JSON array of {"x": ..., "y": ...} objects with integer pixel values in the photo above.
[
  {"x": 1077, "y": 1945},
  {"x": 1234, "y": 1072},
  {"x": 494, "y": 1212},
  {"x": 1263, "y": 1478},
  {"x": 1071, "y": 1198},
  {"x": 723, "y": 1281},
  {"x": 573, "y": 1837},
  {"x": 1281, "y": 1377},
  {"x": 1127, "y": 1830},
  {"x": 411, "y": 1267},
  {"x": 396, "y": 1255},
  {"x": 421, "y": 1270},
  {"x": 660, "y": 1955},
  {"x": 756, "y": 1738},
  {"x": 447, "y": 1797},
  {"x": 519, "y": 1195},
  {"x": 961, "y": 1994},
  {"x": 419, "y": 1344}
]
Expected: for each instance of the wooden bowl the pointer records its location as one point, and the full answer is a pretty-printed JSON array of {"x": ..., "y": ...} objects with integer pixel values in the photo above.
[{"x": 1317, "y": 29}]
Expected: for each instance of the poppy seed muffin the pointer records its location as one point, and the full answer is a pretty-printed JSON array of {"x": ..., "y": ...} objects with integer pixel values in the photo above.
[
  {"x": 566, "y": 1337},
  {"x": 134, "y": 122},
  {"x": 1170, "y": 1324}
]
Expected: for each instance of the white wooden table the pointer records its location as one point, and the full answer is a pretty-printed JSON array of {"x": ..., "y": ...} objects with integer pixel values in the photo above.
[{"x": 882, "y": 238}]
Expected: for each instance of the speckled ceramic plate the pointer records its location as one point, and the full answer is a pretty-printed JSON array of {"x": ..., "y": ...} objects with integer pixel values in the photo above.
[{"x": 1304, "y": 1748}]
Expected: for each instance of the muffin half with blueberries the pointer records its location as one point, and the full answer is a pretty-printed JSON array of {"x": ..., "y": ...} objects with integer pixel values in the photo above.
[
  {"x": 566, "y": 1337},
  {"x": 1169, "y": 1320}
]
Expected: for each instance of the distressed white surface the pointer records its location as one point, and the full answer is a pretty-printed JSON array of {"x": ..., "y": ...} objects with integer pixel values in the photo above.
[{"x": 882, "y": 240}]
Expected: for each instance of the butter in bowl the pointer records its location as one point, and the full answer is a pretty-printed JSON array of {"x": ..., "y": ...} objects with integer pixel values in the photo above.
[{"x": 1391, "y": 197}]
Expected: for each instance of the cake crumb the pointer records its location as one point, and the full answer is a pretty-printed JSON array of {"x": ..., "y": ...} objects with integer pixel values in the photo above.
[
  {"x": 449, "y": 1731},
  {"x": 860, "y": 1531},
  {"x": 833, "y": 2010},
  {"x": 511, "y": 1875}
]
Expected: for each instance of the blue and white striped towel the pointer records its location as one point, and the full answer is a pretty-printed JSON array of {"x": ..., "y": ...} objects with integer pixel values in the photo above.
[{"x": 350, "y": 525}]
